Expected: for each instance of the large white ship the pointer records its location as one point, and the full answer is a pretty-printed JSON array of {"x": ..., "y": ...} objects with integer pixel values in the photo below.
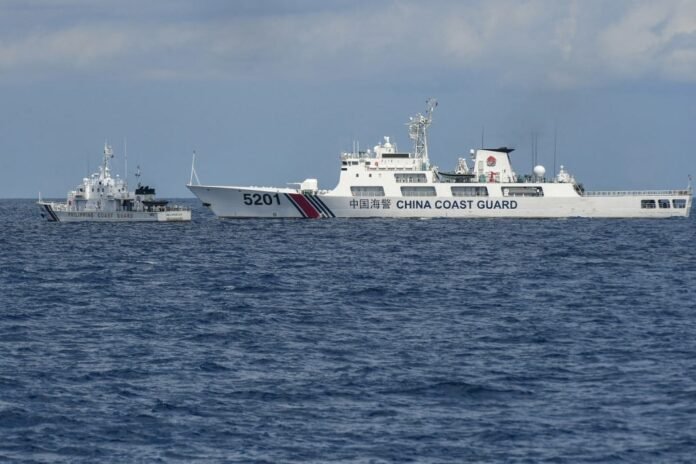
[
  {"x": 104, "y": 198},
  {"x": 385, "y": 182}
]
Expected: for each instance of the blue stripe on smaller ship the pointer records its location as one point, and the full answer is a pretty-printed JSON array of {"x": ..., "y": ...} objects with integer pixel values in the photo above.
[{"x": 49, "y": 210}]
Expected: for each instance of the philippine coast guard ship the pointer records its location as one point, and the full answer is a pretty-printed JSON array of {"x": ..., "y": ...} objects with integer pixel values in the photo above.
[
  {"x": 104, "y": 198},
  {"x": 385, "y": 182}
]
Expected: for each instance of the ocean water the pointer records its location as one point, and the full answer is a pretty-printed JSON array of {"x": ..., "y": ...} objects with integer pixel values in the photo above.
[{"x": 366, "y": 341}]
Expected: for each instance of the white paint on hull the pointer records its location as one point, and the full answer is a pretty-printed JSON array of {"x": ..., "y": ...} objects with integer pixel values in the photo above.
[
  {"x": 389, "y": 183},
  {"x": 229, "y": 202},
  {"x": 48, "y": 211}
]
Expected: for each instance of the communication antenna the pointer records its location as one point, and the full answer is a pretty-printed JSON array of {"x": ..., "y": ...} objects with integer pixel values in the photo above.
[
  {"x": 418, "y": 130},
  {"x": 137, "y": 174},
  {"x": 108, "y": 154},
  {"x": 537, "y": 169},
  {"x": 555, "y": 137},
  {"x": 125, "y": 159},
  {"x": 535, "y": 149}
]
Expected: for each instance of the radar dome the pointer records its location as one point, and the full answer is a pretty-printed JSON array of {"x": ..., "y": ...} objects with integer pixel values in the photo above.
[{"x": 539, "y": 170}]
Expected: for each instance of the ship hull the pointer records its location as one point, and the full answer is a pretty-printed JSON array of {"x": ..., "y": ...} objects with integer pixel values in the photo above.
[
  {"x": 52, "y": 214},
  {"x": 249, "y": 202}
]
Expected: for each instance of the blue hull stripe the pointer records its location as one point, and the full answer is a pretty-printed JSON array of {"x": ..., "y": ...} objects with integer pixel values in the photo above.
[
  {"x": 321, "y": 202},
  {"x": 313, "y": 200},
  {"x": 50, "y": 212}
]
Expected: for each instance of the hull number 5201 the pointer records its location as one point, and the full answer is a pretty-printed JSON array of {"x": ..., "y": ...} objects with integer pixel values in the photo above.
[{"x": 261, "y": 199}]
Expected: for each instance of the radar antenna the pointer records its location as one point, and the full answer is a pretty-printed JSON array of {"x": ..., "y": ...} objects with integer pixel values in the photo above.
[{"x": 418, "y": 130}]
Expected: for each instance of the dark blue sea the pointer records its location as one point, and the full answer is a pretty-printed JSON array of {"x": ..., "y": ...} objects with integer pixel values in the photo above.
[{"x": 356, "y": 341}]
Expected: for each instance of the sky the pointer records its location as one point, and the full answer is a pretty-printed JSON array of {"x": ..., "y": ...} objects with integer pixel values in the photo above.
[{"x": 270, "y": 92}]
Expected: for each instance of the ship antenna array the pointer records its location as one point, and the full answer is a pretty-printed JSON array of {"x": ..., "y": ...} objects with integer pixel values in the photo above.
[
  {"x": 125, "y": 159},
  {"x": 108, "y": 154},
  {"x": 418, "y": 129}
]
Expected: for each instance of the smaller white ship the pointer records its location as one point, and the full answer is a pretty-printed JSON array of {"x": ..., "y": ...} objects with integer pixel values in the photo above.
[{"x": 103, "y": 198}]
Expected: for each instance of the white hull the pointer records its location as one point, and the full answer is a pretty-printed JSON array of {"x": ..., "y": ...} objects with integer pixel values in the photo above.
[
  {"x": 388, "y": 183},
  {"x": 51, "y": 213},
  {"x": 249, "y": 202},
  {"x": 102, "y": 197}
]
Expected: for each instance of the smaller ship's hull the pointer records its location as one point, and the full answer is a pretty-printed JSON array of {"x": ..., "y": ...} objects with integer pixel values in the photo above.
[
  {"x": 252, "y": 202},
  {"x": 102, "y": 197},
  {"x": 50, "y": 212}
]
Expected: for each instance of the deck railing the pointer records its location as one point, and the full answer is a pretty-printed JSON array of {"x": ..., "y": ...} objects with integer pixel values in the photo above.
[
  {"x": 152, "y": 209},
  {"x": 636, "y": 193}
]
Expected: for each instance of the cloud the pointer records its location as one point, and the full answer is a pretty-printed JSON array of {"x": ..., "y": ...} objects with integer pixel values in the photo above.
[
  {"x": 532, "y": 42},
  {"x": 652, "y": 39},
  {"x": 76, "y": 47}
]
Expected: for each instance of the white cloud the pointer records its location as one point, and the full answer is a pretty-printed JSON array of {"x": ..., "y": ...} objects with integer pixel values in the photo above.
[
  {"x": 650, "y": 40},
  {"x": 562, "y": 44}
]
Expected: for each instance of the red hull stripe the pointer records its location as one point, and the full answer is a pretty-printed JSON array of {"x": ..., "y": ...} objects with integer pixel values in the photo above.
[
  {"x": 307, "y": 208},
  {"x": 292, "y": 202}
]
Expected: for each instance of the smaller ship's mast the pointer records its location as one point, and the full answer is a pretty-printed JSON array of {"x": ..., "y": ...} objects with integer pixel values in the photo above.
[
  {"x": 108, "y": 154},
  {"x": 418, "y": 130},
  {"x": 125, "y": 160}
]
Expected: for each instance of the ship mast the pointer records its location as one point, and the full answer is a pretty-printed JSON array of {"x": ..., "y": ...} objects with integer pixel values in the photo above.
[
  {"x": 418, "y": 130},
  {"x": 108, "y": 154}
]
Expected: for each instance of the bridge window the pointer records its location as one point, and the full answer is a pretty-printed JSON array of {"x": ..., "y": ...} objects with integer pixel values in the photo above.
[
  {"x": 367, "y": 191},
  {"x": 470, "y": 191},
  {"x": 523, "y": 192},
  {"x": 418, "y": 191},
  {"x": 649, "y": 204},
  {"x": 663, "y": 203},
  {"x": 410, "y": 178},
  {"x": 681, "y": 203}
]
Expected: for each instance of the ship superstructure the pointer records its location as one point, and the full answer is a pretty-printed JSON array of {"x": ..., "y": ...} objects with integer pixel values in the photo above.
[
  {"x": 106, "y": 198},
  {"x": 387, "y": 182}
]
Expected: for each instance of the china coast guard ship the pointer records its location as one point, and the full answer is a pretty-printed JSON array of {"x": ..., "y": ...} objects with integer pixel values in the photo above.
[
  {"x": 103, "y": 198},
  {"x": 385, "y": 182}
]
